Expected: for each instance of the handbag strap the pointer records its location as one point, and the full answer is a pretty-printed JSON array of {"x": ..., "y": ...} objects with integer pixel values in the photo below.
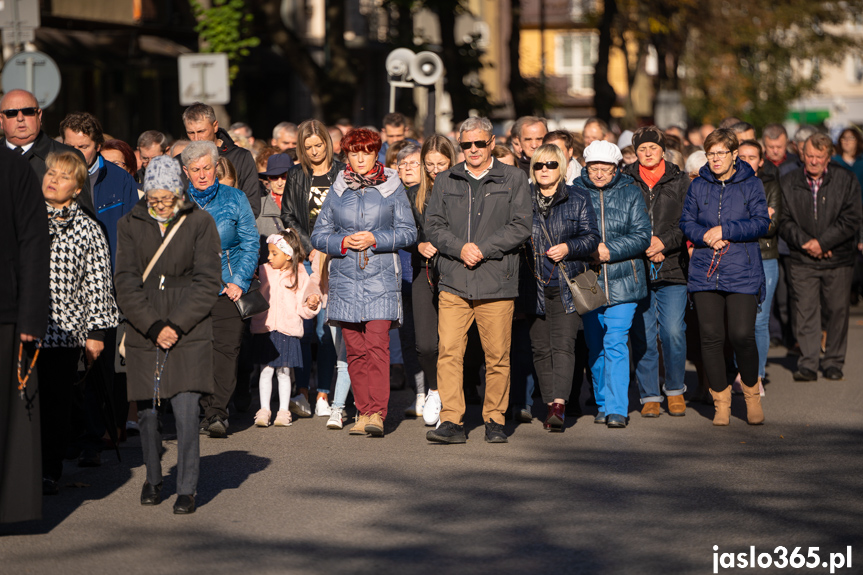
[
  {"x": 162, "y": 247},
  {"x": 560, "y": 268}
]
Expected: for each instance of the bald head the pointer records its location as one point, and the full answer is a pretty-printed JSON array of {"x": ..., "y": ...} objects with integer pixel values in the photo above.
[{"x": 22, "y": 127}]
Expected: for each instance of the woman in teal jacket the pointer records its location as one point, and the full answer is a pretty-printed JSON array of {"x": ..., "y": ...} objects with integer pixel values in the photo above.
[
  {"x": 624, "y": 228},
  {"x": 239, "y": 237}
]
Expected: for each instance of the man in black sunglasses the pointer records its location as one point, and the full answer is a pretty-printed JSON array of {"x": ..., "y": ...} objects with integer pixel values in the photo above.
[
  {"x": 478, "y": 216},
  {"x": 21, "y": 119}
]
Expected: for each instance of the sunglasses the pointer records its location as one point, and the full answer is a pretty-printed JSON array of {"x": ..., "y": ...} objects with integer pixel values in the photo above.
[
  {"x": 279, "y": 177},
  {"x": 13, "y": 112},
  {"x": 479, "y": 144},
  {"x": 540, "y": 165}
]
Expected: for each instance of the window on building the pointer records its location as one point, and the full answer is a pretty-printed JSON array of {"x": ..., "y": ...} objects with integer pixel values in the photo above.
[{"x": 576, "y": 54}]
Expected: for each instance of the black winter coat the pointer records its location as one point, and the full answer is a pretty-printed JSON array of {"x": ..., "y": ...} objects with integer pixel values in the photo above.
[
  {"x": 247, "y": 172},
  {"x": 837, "y": 222},
  {"x": 23, "y": 301},
  {"x": 295, "y": 201},
  {"x": 769, "y": 242},
  {"x": 497, "y": 218},
  {"x": 192, "y": 270},
  {"x": 664, "y": 206}
]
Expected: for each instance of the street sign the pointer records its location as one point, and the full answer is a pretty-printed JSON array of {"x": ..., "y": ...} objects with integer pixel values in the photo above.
[
  {"x": 19, "y": 20},
  {"x": 35, "y": 72},
  {"x": 204, "y": 78}
]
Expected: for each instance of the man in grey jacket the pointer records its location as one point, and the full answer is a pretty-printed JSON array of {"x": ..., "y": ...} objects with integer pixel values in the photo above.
[{"x": 478, "y": 216}]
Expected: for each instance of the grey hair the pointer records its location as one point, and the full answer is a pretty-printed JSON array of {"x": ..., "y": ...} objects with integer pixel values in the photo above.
[
  {"x": 408, "y": 150},
  {"x": 803, "y": 134},
  {"x": 197, "y": 150},
  {"x": 291, "y": 129},
  {"x": 475, "y": 123},
  {"x": 695, "y": 161}
]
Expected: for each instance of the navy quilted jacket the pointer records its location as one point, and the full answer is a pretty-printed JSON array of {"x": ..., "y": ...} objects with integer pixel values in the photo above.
[
  {"x": 627, "y": 235},
  {"x": 358, "y": 290},
  {"x": 571, "y": 221},
  {"x": 740, "y": 207}
]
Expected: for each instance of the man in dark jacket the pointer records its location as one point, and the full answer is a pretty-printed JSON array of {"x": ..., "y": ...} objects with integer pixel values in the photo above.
[
  {"x": 528, "y": 131},
  {"x": 201, "y": 125},
  {"x": 820, "y": 219},
  {"x": 663, "y": 186},
  {"x": 478, "y": 216},
  {"x": 21, "y": 120},
  {"x": 23, "y": 318}
]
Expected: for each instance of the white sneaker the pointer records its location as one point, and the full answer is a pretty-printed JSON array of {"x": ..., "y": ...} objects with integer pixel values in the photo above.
[
  {"x": 415, "y": 409},
  {"x": 431, "y": 409},
  {"x": 322, "y": 408},
  {"x": 299, "y": 405},
  {"x": 336, "y": 420}
]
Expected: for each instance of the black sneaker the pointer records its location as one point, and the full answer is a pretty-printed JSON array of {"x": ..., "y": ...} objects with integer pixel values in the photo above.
[
  {"x": 218, "y": 428},
  {"x": 494, "y": 433},
  {"x": 804, "y": 374},
  {"x": 447, "y": 432},
  {"x": 833, "y": 373}
]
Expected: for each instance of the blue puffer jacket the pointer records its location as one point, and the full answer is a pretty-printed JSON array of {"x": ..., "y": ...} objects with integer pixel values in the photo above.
[
  {"x": 571, "y": 221},
  {"x": 740, "y": 207},
  {"x": 627, "y": 236},
  {"x": 238, "y": 233},
  {"x": 358, "y": 290}
]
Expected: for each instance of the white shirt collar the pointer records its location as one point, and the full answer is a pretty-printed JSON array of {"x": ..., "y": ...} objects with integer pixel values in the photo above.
[
  {"x": 482, "y": 174},
  {"x": 25, "y": 147}
]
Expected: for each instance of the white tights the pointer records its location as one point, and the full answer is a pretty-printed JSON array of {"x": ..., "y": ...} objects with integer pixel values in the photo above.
[{"x": 265, "y": 384}]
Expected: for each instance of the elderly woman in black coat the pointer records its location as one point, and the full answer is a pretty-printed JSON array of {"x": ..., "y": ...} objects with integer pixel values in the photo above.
[{"x": 169, "y": 327}]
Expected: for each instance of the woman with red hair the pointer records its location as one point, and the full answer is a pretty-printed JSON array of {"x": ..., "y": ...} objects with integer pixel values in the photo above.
[
  {"x": 121, "y": 154},
  {"x": 365, "y": 219}
]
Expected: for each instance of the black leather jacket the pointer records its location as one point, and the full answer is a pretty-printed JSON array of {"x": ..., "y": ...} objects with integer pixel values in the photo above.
[{"x": 295, "y": 201}]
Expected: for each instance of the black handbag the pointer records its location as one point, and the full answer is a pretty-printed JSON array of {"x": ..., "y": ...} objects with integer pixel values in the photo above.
[
  {"x": 587, "y": 295},
  {"x": 253, "y": 301}
]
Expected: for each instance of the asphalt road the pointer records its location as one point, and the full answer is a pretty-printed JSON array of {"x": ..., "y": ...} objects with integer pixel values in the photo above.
[{"x": 653, "y": 498}]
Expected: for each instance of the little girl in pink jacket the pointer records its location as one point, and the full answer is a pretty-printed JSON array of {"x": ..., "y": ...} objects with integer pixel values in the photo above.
[{"x": 293, "y": 297}]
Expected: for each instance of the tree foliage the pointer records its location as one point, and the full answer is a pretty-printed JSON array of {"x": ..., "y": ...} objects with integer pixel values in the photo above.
[{"x": 225, "y": 27}]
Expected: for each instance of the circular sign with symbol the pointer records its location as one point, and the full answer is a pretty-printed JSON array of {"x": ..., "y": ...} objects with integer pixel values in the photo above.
[{"x": 35, "y": 72}]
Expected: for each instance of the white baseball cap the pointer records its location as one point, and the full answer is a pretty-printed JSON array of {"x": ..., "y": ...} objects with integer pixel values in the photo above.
[{"x": 602, "y": 151}]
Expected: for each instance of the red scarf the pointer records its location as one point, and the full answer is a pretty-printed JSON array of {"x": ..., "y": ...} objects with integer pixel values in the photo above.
[
  {"x": 373, "y": 177},
  {"x": 277, "y": 198},
  {"x": 652, "y": 176}
]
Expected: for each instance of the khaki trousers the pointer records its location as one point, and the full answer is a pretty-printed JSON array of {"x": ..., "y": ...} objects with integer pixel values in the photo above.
[{"x": 494, "y": 322}]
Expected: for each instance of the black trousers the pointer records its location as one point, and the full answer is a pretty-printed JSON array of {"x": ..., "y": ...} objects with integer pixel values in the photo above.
[
  {"x": 812, "y": 289},
  {"x": 227, "y": 336},
  {"x": 425, "y": 324},
  {"x": 185, "y": 408},
  {"x": 714, "y": 308},
  {"x": 99, "y": 392},
  {"x": 552, "y": 339},
  {"x": 58, "y": 373}
]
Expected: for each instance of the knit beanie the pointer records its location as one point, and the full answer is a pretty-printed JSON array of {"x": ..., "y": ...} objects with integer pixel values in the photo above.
[{"x": 163, "y": 173}]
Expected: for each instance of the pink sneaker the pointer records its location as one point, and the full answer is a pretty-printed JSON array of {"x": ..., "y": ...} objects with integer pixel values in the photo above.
[
  {"x": 262, "y": 418},
  {"x": 283, "y": 419}
]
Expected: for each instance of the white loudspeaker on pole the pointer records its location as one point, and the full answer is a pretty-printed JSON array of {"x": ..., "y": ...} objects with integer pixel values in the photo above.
[{"x": 406, "y": 69}]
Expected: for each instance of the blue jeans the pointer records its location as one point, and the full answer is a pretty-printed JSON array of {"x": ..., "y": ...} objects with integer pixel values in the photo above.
[
  {"x": 762, "y": 319},
  {"x": 607, "y": 330},
  {"x": 664, "y": 307},
  {"x": 343, "y": 380},
  {"x": 326, "y": 350}
]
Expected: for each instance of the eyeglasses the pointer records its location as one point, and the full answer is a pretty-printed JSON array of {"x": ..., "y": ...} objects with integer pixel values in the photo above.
[
  {"x": 413, "y": 164},
  {"x": 166, "y": 202},
  {"x": 13, "y": 112},
  {"x": 479, "y": 144},
  {"x": 437, "y": 168},
  {"x": 279, "y": 177},
  {"x": 600, "y": 170},
  {"x": 720, "y": 155},
  {"x": 540, "y": 165}
]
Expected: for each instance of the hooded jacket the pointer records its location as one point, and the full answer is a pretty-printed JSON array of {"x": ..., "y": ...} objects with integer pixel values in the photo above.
[
  {"x": 836, "y": 223},
  {"x": 664, "y": 204},
  {"x": 365, "y": 286},
  {"x": 497, "y": 218},
  {"x": 740, "y": 207},
  {"x": 244, "y": 164},
  {"x": 626, "y": 234}
]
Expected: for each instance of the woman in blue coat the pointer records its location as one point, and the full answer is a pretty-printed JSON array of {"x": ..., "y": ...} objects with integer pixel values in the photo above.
[
  {"x": 624, "y": 228},
  {"x": 724, "y": 214},
  {"x": 567, "y": 215},
  {"x": 364, "y": 221},
  {"x": 238, "y": 234}
]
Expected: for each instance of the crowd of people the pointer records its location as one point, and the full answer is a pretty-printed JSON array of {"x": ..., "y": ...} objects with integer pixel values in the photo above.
[{"x": 182, "y": 273}]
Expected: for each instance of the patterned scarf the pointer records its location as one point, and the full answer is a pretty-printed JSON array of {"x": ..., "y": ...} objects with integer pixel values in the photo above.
[
  {"x": 203, "y": 197},
  {"x": 58, "y": 219},
  {"x": 373, "y": 177}
]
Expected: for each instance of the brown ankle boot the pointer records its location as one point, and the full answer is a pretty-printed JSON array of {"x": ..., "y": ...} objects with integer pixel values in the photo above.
[
  {"x": 722, "y": 403},
  {"x": 754, "y": 413}
]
